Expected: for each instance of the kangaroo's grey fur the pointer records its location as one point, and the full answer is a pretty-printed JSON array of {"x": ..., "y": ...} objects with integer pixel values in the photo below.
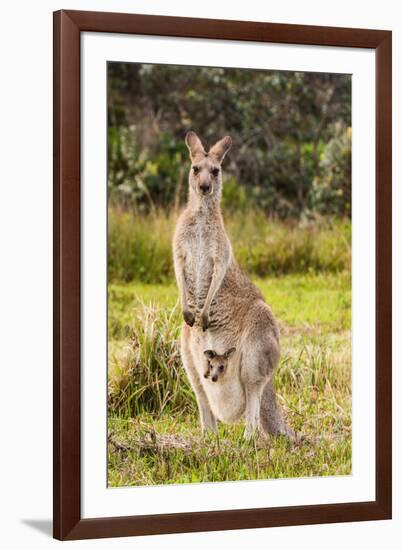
[{"x": 222, "y": 308}]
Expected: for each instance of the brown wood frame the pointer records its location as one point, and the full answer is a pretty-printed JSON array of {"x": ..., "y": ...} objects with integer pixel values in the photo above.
[{"x": 68, "y": 26}]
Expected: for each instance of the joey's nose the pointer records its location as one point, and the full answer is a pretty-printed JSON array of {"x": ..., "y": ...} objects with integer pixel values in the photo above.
[
  {"x": 205, "y": 188},
  {"x": 214, "y": 378}
]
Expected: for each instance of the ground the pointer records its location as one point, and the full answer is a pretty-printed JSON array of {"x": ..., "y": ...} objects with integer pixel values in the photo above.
[{"x": 154, "y": 431}]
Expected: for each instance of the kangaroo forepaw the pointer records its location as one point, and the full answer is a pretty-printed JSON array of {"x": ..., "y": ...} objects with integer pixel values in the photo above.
[
  {"x": 189, "y": 317},
  {"x": 204, "y": 321}
]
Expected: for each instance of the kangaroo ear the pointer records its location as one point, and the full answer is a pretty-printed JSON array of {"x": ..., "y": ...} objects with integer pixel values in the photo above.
[
  {"x": 194, "y": 145},
  {"x": 220, "y": 148},
  {"x": 209, "y": 353},
  {"x": 229, "y": 353}
]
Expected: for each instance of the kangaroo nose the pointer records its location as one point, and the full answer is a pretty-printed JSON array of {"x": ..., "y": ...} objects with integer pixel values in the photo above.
[
  {"x": 205, "y": 188},
  {"x": 214, "y": 378}
]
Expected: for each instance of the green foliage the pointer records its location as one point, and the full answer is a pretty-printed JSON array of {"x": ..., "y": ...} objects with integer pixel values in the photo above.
[
  {"x": 154, "y": 434},
  {"x": 138, "y": 181},
  {"x": 279, "y": 121},
  {"x": 140, "y": 245},
  {"x": 234, "y": 196},
  {"x": 331, "y": 191}
]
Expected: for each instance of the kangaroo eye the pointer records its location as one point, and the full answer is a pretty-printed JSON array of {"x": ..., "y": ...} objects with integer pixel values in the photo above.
[
  {"x": 215, "y": 172},
  {"x": 196, "y": 169},
  {"x": 221, "y": 367}
]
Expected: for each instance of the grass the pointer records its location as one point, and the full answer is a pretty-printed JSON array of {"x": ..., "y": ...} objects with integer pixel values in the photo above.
[
  {"x": 149, "y": 451},
  {"x": 139, "y": 246},
  {"x": 154, "y": 434}
]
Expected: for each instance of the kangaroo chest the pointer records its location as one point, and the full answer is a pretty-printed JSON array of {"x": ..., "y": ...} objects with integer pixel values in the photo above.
[{"x": 200, "y": 248}]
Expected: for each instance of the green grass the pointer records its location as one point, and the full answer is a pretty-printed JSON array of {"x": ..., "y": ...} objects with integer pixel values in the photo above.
[
  {"x": 154, "y": 435},
  {"x": 139, "y": 246},
  {"x": 149, "y": 451}
]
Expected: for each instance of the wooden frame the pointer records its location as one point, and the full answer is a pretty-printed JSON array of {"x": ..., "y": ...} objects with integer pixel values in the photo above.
[{"x": 68, "y": 26}]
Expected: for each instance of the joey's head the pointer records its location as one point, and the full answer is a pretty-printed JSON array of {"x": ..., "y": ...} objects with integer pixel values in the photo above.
[
  {"x": 205, "y": 176},
  {"x": 217, "y": 365}
]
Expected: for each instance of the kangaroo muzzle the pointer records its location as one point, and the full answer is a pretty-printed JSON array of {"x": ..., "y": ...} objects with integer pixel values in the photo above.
[{"x": 205, "y": 188}]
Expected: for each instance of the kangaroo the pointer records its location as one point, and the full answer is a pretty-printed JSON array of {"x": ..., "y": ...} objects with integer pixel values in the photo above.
[
  {"x": 217, "y": 364},
  {"x": 222, "y": 308}
]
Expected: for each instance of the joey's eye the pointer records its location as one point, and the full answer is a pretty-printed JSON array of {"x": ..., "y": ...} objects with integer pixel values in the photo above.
[
  {"x": 196, "y": 169},
  {"x": 210, "y": 366},
  {"x": 221, "y": 367},
  {"x": 215, "y": 172}
]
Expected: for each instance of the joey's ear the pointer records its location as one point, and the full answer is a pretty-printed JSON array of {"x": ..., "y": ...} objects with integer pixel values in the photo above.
[
  {"x": 209, "y": 353},
  {"x": 229, "y": 353},
  {"x": 194, "y": 145},
  {"x": 220, "y": 148}
]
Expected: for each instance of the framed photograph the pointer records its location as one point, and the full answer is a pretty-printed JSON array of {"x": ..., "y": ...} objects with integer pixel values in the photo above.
[{"x": 222, "y": 274}]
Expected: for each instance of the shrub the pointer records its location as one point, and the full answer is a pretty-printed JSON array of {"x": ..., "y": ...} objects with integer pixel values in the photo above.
[
  {"x": 139, "y": 180},
  {"x": 331, "y": 190}
]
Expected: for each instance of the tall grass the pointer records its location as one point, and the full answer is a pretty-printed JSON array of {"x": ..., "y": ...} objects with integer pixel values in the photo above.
[
  {"x": 145, "y": 372},
  {"x": 139, "y": 246}
]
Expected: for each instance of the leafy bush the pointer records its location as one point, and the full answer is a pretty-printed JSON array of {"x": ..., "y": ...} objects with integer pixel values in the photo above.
[
  {"x": 331, "y": 190},
  {"x": 138, "y": 180},
  {"x": 234, "y": 196},
  {"x": 279, "y": 121}
]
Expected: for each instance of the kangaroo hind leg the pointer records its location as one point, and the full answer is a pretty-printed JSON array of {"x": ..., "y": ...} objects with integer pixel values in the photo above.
[
  {"x": 253, "y": 405},
  {"x": 271, "y": 419}
]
